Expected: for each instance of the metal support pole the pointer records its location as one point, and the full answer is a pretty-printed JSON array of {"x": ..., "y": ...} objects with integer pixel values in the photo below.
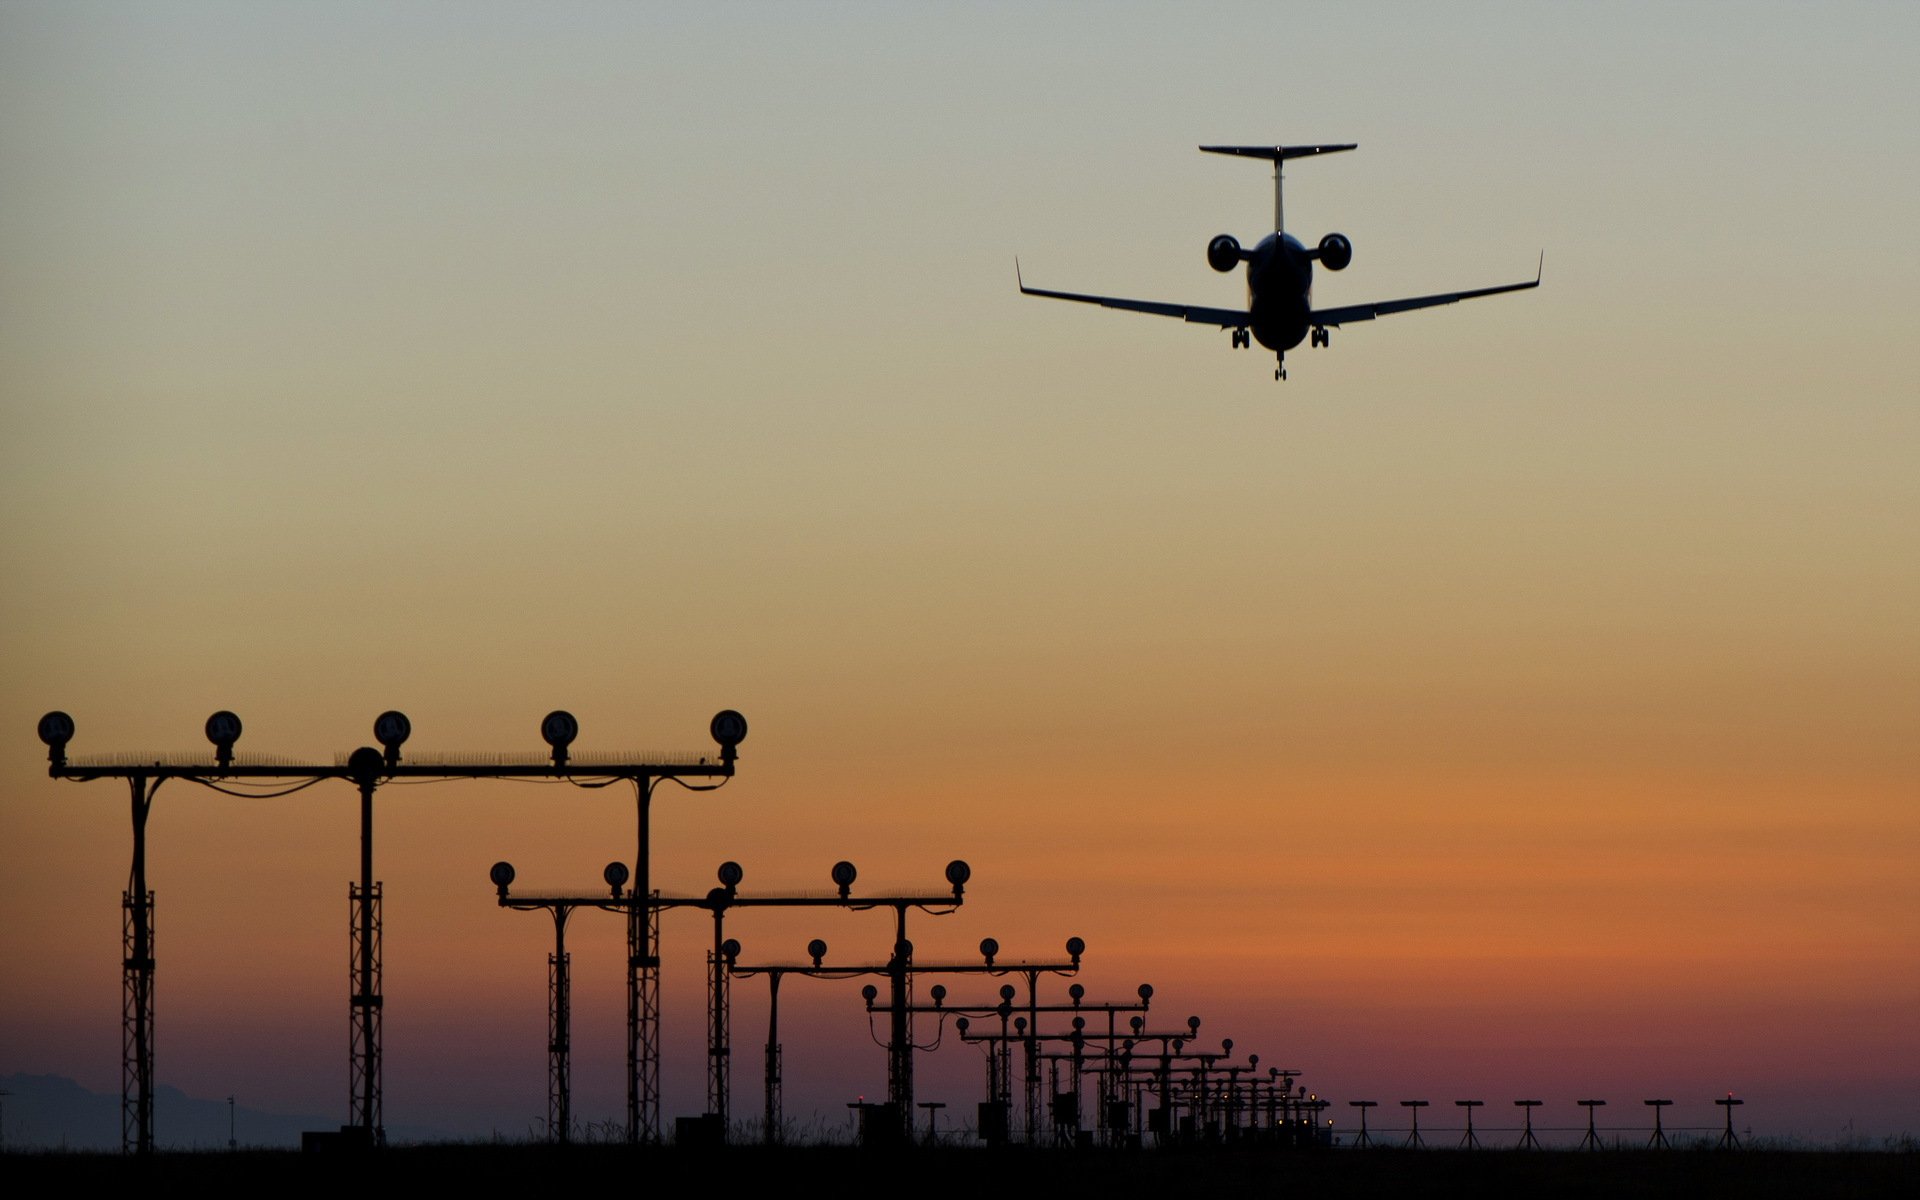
[
  {"x": 1729, "y": 1140},
  {"x": 364, "y": 981},
  {"x": 770, "y": 1133},
  {"x": 1078, "y": 1064},
  {"x": 1365, "y": 1139},
  {"x": 1166, "y": 1098},
  {"x": 1659, "y": 1139},
  {"x": 1031, "y": 1046},
  {"x": 650, "y": 1029},
  {"x": 1413, "y": 1108},
  {"x": 993, "y": 1070},
  {"x": 1198, "y": 1101},
  {"x": 136, "y": 978},
  {"x": 636, "y": 953},
  {"x": 900, "y": 1026},
  {"x": 1005, "y": 1094},
  {"x": 719, "y": 1033},
  {"x": 1592, "y": 1140},
  {"x": 1527, "y": 1139},
  {"x": 560, "y": 1033},
  {"x": 1469, "y": 1142},
  {"x": 643, "y": 988}
]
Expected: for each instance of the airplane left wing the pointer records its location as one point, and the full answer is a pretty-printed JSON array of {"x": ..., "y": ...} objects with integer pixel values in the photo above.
[{"x": 1225, "y": 318}]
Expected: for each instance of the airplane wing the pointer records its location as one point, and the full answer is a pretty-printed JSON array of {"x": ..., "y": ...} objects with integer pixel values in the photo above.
[
  {"x": 1367, "y": 312},
  {"x": 1225, "y": 318}
]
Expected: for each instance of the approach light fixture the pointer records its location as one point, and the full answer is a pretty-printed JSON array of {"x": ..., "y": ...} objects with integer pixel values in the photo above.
[
  {"x": 391, "y": 729},
  {"x": 223, "y": 730},
  {"x": 56, "y": 730},
  {"x": 729, "y": 728},
  {"x": 615, "y": 876},
  {"x": 844, "y": 873},
  {"x": 559, "y": 729}
]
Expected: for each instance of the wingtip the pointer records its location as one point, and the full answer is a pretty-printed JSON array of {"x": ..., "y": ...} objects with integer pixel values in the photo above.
[
  {"x": 1018, "y": 281},
  {"x": 1540, "y": 270}
]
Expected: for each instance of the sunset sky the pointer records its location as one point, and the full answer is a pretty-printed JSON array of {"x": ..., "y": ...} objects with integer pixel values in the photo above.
[{"x": 1522, "y": 700}]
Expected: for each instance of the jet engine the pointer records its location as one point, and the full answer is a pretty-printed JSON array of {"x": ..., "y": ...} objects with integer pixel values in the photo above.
[
  {"x": 1335, "y": 252},
  {"x": 1223, "y": 253}
]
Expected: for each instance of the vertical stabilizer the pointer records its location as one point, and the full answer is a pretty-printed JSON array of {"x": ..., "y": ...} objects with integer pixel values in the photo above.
[{"x": 1278, "y": 155}]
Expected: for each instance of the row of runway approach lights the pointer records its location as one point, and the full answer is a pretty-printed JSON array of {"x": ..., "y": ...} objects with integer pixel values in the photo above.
[
  {"x": 1068, "y": 1051},
  {"x": 1144, "y": 1080},
  {"x": 1071, "y": 1048}
]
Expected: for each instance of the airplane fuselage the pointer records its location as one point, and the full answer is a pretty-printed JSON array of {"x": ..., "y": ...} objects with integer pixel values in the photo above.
[{"x": 1279, "y": 292}]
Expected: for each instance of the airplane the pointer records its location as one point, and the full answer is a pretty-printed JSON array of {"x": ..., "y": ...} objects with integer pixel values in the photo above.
[{"x": 1280, "y": 312}]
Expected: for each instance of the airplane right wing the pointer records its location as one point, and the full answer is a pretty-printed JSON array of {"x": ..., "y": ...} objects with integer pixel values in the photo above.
[
  {"x": 1381, "y": 308},
  {"x": 1225, "y": 318}
]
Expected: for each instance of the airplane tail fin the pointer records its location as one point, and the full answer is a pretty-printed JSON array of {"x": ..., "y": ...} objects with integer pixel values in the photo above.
[{"x": 1275, "y": 155}]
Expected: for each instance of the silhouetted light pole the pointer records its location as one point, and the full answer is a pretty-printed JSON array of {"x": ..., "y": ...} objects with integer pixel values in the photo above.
[
  {"x": 1659, "y": 1139},
  {"x": 727, "y": 896},
  {"x": 1527, "y": 1140},
  {"x": 1592, "y": 1140},
  {"x": 729, "y": 729},
  {"x": 1364, "y": 1140},
  {"x": 559, "y": 985},
  {"x": 1469, "y": 1142},
  {"x": 367, "y": 768},
  {"x": 1727, "y": 1140},
  {"x": 817, "y": 950},
  {"x": 1413, "y": 1108},
  {"x": 900, "y": 1042},
  {"x": 1066, "y": 1104}
]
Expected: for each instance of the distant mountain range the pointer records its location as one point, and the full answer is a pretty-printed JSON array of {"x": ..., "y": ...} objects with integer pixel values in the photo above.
[{"x": 53, "y": 1112}]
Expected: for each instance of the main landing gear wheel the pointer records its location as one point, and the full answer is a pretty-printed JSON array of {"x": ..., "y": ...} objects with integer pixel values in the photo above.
[
  {"x": 1321, "y": 337},
  {"x": 1242, "y": 339}
]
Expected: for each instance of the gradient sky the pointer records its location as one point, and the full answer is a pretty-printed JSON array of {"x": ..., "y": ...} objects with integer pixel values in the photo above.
[{"x": 1524, "y": 699}]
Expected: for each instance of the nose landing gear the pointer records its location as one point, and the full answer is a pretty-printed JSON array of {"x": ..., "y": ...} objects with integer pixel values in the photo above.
[{"x": 1280, "y": 372}]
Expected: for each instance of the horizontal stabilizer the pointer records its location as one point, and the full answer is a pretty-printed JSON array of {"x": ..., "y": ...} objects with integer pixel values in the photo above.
[{"x": 1276, "y": 153}]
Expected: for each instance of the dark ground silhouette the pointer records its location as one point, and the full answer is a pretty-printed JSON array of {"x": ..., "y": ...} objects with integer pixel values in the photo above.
[{"x": 1764, "y": 1174}]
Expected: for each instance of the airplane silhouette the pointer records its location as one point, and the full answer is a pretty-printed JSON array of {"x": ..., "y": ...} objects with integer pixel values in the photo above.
[{"x": 1279, "y": 312}]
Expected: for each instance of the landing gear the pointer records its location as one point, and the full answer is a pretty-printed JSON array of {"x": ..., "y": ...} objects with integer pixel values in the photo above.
[
  {"x": 1242, "y": 339},
  {"x": 1321, "y": 337},
  {"x": 1280, "y": 372}
]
